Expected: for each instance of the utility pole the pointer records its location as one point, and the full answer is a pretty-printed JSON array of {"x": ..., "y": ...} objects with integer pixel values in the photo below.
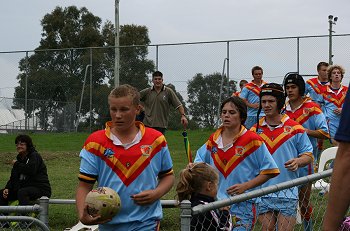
[
  {"x": 332, "y": 21},
  {"x": 116, "y": 45}
]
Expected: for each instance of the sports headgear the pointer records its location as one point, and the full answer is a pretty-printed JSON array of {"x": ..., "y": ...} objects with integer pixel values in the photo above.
[
  {"x": 275, "y": 90},
  {"x": 296, "y": 79}
]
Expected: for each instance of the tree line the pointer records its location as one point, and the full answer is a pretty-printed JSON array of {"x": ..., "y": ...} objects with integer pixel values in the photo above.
[{"x": 54, "y": 74}]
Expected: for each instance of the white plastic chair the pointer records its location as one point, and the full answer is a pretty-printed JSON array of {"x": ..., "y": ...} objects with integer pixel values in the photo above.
[
  {"x": 80, "y": 226},
  {"x": 326, "y": 155}
]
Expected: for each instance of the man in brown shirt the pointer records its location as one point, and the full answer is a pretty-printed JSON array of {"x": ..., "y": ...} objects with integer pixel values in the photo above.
[{"x": 157, "y": 101}]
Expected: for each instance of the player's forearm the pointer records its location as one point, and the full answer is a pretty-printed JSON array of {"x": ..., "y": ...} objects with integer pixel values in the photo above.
[
  {"x": 316, "y": 134},
  {"x": 164, "y": 185},
  {"x": 246, "y": 102},
  {"x": 252, "y": 105},
  {"x": 259, "y": 180},
  {"x": 339, "y": 199},
  {"x": 304, "y": 160},
  {"x": 82, "y": 190}
]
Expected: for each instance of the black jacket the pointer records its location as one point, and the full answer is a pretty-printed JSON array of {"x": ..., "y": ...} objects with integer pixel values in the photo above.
[
  {"x": 29, "y": 171},
  {"x": 212, "y": 220}
]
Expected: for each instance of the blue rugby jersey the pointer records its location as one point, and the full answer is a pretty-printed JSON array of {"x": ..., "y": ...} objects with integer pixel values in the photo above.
[
  {"x": 285, "y": 142},
  {"x": 251, "y": 92},
  {"x": 127, "y": 171},
  {"x": 310, "y": 116},
  {"x": 333, "y": 100}
]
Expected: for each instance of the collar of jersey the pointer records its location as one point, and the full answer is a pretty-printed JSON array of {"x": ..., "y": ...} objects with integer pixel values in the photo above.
[
  {"x": 283, "y": 120},
  {"x": 138, "y": 124}
]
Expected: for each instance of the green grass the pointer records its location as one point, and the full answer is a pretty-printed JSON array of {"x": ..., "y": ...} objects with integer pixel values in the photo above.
[{"x": 61, "y": 154}]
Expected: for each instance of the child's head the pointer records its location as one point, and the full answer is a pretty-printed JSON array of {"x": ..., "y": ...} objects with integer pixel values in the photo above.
[
  {"x": 126, "y": 90},
  {"x": 124, "y": 106},
  {"x": 335, "y": 70},
  {"x": 238, "y": 105},
  {"x": 197, "y": 178}
]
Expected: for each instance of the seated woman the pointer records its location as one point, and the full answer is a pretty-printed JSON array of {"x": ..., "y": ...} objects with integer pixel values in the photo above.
[{"x": 29, "y": 180}]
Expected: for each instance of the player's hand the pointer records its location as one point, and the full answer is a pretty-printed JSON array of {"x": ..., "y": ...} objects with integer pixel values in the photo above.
[
  {"x": 236, "y": 189},
  {"x": 227, "y": 208},
  {"x": 337, "y": 111},
  {"x": 145, "y": 197},
  {"x": 307, "y": 131},
  {"x": 190, "y": 165},
  {"x": 5, "y": 193},
  {"x": 88, "y": 219},
  {"x": 292, "y": 164},
  {"x": 255, "y": 105}
]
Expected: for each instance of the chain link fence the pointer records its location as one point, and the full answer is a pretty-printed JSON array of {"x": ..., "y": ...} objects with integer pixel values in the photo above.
[
  {"x": 41, "y": 116},
  {"x": 86, "y": 75},
  {"x": 16, "y": 217},
  {"x": 206, "y": 216}
]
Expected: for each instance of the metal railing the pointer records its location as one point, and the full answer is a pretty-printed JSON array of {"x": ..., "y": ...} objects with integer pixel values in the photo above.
[
  {"x": 41, "y": 223},
  {"x": 186, "y": 211}
]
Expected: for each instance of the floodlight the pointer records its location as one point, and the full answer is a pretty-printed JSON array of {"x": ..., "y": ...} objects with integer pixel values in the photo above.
[
  {"x": 330, "y": 17},
  {"x": 335, "y": 19}
]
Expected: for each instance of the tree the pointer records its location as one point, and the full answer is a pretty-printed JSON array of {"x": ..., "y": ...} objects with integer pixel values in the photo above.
[
  {"x": 134, "y": 65},
  {"x": 59, "y": 74},
  {"x": 204, "y": 95}
]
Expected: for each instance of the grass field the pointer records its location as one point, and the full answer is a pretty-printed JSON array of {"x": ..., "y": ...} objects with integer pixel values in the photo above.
[{"x": 61, "y": 154}]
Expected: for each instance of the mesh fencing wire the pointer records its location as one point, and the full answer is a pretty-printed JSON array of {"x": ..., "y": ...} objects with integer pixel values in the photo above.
[
  {"x": 85, "y": 75},
  {"x": 17, "y": 225},
  {"x": 41, "y": 116},
  {"x": 272, "y": 208},
  {"x": 16, "y": 217},
  {"x": 215, "y": 214}
]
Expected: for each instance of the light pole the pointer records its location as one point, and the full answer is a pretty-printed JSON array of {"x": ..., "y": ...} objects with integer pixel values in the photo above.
[
  {"x": 116, "y": 45},
  {"x": 331, "y": 20}
]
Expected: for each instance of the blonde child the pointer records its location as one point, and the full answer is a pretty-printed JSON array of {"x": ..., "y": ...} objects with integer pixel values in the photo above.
[{"x": 199, "y": 184}]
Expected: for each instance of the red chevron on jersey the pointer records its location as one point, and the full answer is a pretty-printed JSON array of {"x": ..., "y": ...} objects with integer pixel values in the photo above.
[
  {"x": 253, "y": 88},
  {"x": 225, "y": 162},
  {"x": 127, "y": 164},
  {"x": 336, "y": 99},
  {"x": 316, "y": 85},
  {"x": 275, "y": 138},
  {"x": 302, "y": 114}
]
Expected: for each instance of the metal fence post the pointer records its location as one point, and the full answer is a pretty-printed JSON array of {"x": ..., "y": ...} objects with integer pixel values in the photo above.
[
  {"x": 44, "y": 213},
  {"x": 186, "y": 214}
]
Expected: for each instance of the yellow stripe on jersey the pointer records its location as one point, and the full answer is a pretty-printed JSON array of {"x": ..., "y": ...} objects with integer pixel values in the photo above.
[
  {"x": 308, "y": 154},
  {"x": 324, "y": 133},
  {"x": 166, "y": 174},
  {"x": 274, "y": 171},
  {"x": 233, "y": 159},
  {"x": 129, "y": 172},
  {"x": 86, "y": 178}
]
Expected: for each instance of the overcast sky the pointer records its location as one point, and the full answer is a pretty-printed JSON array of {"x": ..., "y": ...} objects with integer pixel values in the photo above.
[
  {"x": 183, "y": 20},
  {"x": 180, "y": 20}
]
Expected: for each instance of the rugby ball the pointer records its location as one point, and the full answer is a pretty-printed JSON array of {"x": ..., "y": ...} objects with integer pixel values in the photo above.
[{"x": 103, "y": 201}]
